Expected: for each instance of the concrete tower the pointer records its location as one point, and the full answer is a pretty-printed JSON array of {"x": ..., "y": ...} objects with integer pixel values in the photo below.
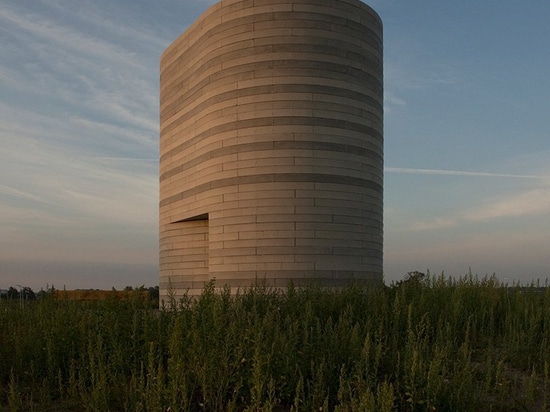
[{"x": 271, "y": 146}]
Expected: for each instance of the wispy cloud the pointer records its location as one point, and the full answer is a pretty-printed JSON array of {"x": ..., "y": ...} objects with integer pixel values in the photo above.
[
  {"x": 403, "y": 83},
  {"x": 65, "y": 37},
  {"x": 514, "y": 203},
  {"x": 78, "y": 69},
  {"x": 78, "y": 133},
  {"x": 403, "y": 77},
  {"x": 530, "y": 203},
  {"x": 443, "y": 172},
  {"x": 391, "y": 101},
  {"x": 101, "y": 18},
  {"x": 534, "y": 202},
  {"x": 434, "y": 224}
]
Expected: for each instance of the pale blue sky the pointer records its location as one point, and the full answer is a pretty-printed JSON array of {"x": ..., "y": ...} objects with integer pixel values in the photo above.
[{"x": 467, "y": 138}]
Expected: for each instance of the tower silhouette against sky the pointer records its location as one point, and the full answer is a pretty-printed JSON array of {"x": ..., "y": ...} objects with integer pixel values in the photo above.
[{"x": 271, "y": 146}]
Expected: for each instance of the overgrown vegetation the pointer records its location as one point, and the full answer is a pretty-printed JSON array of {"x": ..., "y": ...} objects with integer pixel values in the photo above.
[{"x": 431, "y": 344}]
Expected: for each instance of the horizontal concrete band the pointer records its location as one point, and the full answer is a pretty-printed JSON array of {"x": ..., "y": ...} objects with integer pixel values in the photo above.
[
  {"x": 363, "y": 100},
  {"x": 174, "y": 123},
  {"x": 213, "y": 51},
  {"x": 251, "y": 270},
  {"x": 192, "y": 104},
  {"x": 314, "y": 91},
  {"x": 311, "y": 218},
  {"x": 270, "y": 105},
  {"x": 359, "y": 12},
  {"x": 338, "y": 264},
  {"x": 215, "y": 265},
  {"x": 180, "y": 249},
  {"x": 288, "y": 232},
  {"x": 277, "y": 56},
  {"x": 352, "y": 219},
  {"x": 283, "y": 279},
  {"x": 257, "y": 21},
  {"x": 286, "y": 253},
  {"x": 274, "y": 121},
  {"x": 239, "y": 213},
  {"x": 277, "y": 157},
  {"x": 257, "y": 66},
  {"x": 282, "y": 177},
  {"x": 315, "y": 44},
  {"x": 272, "y": 145},
  {"x": 239, "y": 85},
  {"x": 313, "y": 18}
]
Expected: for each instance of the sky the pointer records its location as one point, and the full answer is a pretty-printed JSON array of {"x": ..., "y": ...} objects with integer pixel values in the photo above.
[{"x": 467, "y": 138}]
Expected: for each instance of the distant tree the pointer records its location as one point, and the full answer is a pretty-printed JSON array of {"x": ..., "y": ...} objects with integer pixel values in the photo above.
[
  {"x": 43, "y": 294},
  {"x": 27, "y": 293},
  {"x": 24, "y": 293},
  {"x": 13, "y": 293},
  {"x": 154, "y": 292}
]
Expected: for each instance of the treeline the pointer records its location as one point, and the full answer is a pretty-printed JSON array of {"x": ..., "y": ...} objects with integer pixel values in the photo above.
[{"x": 25, "y": 293}]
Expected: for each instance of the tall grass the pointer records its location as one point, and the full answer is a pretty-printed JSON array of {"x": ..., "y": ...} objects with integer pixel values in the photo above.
[{"x": 435, "y": 344}]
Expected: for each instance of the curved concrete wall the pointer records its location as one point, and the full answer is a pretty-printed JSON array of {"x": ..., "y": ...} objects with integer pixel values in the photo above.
[{"x": 271, "y": 146}]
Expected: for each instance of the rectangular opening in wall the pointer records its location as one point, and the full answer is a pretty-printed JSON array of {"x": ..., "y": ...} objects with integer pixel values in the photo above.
[
  {"x": 190, "y": 251},
  {"x": 203, "y": 216}
]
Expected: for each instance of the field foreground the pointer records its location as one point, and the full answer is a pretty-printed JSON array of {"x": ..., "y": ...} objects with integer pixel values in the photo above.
[{"x": 434, "y": 344}]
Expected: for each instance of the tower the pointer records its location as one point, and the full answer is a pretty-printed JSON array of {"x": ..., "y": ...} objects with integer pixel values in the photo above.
[{"x": 271, "y": 146}]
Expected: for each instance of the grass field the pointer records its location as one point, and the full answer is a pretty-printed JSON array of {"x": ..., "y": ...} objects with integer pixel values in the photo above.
[{"x": 432, "y": 344}]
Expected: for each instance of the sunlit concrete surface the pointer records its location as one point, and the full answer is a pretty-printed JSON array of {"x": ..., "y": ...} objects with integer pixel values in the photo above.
[{"x": 271, "y": 146}]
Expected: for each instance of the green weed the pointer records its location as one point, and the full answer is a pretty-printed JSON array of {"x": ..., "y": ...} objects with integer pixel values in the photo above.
[{"x": 431, "y": 344}]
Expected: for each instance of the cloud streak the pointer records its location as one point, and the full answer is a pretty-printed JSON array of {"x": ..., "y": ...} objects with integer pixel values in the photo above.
[
  {"x": 443, "y": 172},
  {"x": 534, "y": 202},
  {"x": 531, "y": 203},
  {"x": 514, "y": 204}
]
